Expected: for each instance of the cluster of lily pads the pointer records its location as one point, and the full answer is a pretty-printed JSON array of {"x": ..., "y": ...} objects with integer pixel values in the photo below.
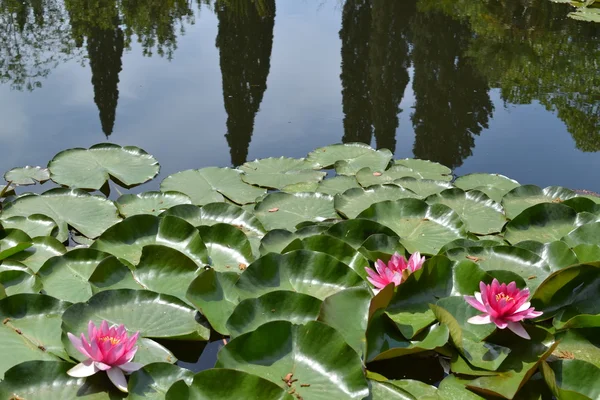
[{"x": 277, "y": 261}]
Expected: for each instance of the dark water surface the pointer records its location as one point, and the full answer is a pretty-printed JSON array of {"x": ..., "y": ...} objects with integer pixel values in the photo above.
[{"x": 511, "y": 87}]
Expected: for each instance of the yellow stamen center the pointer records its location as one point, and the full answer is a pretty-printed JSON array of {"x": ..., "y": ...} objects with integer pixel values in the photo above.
[
  {"x": 501, "y": 296},
  {"x": 113, "y": 340}
]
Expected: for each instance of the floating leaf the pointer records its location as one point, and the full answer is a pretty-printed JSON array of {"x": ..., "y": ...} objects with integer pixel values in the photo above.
[
  {"x": 165, "y": 270},
  {"x": 423, "y": 187},
  {"x": 154, "y": 380},
  {"x": 281, "y": 305},
  {"x": 356, "y": 231},
  {"x": 209, "y": 185},
  {"x": 302, "y": 271},
  {"x": 354, "y": 201},
  {"x": 127, "y": 238},
  {"x": 586, "y": 253},
  {"x": 208, "y": 385},
  {"x": 66, "y": 277},
  {"x": 149, "y": 202},
  {"x": 585, "y": 234},
  {"x": 276, "y": 173},
  {"x": 480, "y": 214},
  {"x": 13, "y": 241},
  {"x": 497, "y": 260},
  {"x": 30, "y": 329},
  {"x": 334, "y": 247},
  {"x": 34, "y": 225},
  {"x": 91, "y": 168},
  {"x": 228, "y": 247},
  {"x": 479, "y": 181},
  {"x": 523, "y": 197},
  {"x": 556, "y": 254},
  {"x": 52, "y": 382},
  {"x": 295, "y": 348},
  {"x": 421, "y": 227},
  {"x": 16, "y": 278},
  {"x": 154, "y": 315},
  {"x": 214, "y": 294},
  {"x": 91, "y": 215},
  {"x": 427, "y": 169},
  {"x": 544, "y": 223},
  {"x": 219, "y": 213},
  {"x": 293, "y": 209},
  {"x": 337, "y": 184},
  {"x": 352, "y": 157},
  {"x": 28, "y": 175}
]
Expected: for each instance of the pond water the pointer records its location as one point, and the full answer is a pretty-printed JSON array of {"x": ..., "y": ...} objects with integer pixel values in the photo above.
[{"x": 508, "y": 87}]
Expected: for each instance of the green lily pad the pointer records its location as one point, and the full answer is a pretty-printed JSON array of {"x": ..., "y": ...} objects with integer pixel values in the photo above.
[
  {"x": 356, "y": 231},
  {"x": 127, "y": 238},
  {"x": 354, "y": 154},
  {"x": 381, "y": 247},
  {"x": 587, "y": 14},
  {"x": 579, "y": 344},
  {"x": 111, "y": 274},
  {"x": 13, "y": 241},
  {"x": 16, "y": 278},
  {"x": 586, "y": 253},
  {"x": 154, "y": 315},
  {"x": 523, "y": 197},
  {"x": 467, "y": 243},
  {"x": 480, "y": 214},
  {"x": 421, "y": 227},
  {"x": 154, "y": 380},
  {"x": 228, "y": 247},
  {"x": 427, "y": 169},
  {"x": 219, "y": 213},
  {"x": 214, "y": 295},
  {"x": 337, "y": 184},
  {"x": 333, "y": 246},
  {"x": 276, "y": 173},
  {"x": 280, "y": 305},
  {"x": 521, "y": 363},
  {"x": 42, "y": 248},
  {"x": 545, "y": 222},
  {"x": 30, "y": 329},
  {"x": 409, "y": 306},
  {"x": 570, "y": 290},
  {"x": 354, "y": 201},
  {"x": 284, "y": 210},
  {"x": 52, "y": 382},
  {"x": 384, "y": 340},
  {"x": 585, "y": 234},
  {"x": 556, "y": 254},
  {"x": 368, "y": 176},
  {"x": 454, "y": 312},
  {"x": 208, "y": 385},
  {"x": 498, "y": 259},
  {"x": 66, "y": 277},
  {"x": 149, "y": 202},
  {"x": 280, "y": 347},
  {"x": 33, "y": 225},
  {"x": 347, "y": 312},
  {"x": 301, "y": 187},
  {"x": 209, "y": 185},
  {"x": 423, "y": 187},
  {"x": 572, "y": 379},
  {"x": 27, "y": 175},
  {"x": 386, "y": 390},
  {"x": 89, "y": 214},
  {"x": 478, "y": 180},
  {"x": 91, "y": 168},
  {"x": 165, "y": 270},
  {"x": 316, "y": 274}
]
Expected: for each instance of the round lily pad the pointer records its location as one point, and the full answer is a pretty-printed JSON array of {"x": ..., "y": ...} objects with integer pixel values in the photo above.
[
  {"x": 285, "y": 210},
  {"x": 91, "y": 168},
  {"x": 523, "y": 197},
  {"x": 276, "y": 173},
  {"x": 354, "y": 201},
  {"x": 28, "y": 175},
  {"x": 152, "y": 203}
]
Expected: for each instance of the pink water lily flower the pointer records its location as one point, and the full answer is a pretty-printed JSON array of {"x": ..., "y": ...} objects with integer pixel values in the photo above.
[
  {"x": 107, "y": 349},
  {"x": 503, "y": 305},
  {"x": 395, "y": 271}
]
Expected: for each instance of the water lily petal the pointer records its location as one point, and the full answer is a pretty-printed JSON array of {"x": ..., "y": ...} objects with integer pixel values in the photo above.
[
  {"x": 523, "y": 307},
  {"x": 117, "y": 377},
  {"x": 131, "y": 367},
  {"x": 77, "y": 343},
  {"x": 104, "y": 330},
  {"x": 101, "y": 366},
  {"x": 480, "y": 320},
  {"x": 474, "y": 302},
  {"x": 517, "y": 328},
  {"x": 83, "y": 369}
]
